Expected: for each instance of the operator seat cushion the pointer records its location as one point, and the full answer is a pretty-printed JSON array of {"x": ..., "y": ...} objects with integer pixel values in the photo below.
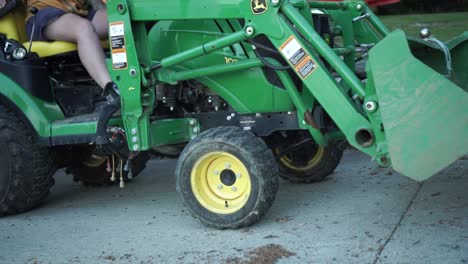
[{"x": 46, "y": 49}]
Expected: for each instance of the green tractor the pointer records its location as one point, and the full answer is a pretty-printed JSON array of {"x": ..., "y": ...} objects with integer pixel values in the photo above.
[{"x": 241, "y": 91}]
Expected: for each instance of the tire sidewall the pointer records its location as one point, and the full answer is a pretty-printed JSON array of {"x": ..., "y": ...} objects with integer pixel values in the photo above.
[
  {"x": 5, "y": 170},
  {"x": 330, "y": 159},
  {"x": 184, "y": 187}
]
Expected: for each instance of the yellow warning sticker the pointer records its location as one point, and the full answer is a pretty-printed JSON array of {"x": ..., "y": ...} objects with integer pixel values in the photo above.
[{"x": 302, "y": 62}]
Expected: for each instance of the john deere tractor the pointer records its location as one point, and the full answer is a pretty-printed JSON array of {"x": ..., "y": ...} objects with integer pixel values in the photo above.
[{"x": 242, "y": 92}]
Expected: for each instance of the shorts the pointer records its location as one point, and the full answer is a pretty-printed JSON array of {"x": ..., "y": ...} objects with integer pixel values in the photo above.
[{"x": 46, "y": 16}]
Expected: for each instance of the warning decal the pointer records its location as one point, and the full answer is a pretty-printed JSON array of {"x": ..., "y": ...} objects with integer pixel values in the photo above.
[
  {"x": 119, "y": 51},
  {"x": 298, "y": 57}
]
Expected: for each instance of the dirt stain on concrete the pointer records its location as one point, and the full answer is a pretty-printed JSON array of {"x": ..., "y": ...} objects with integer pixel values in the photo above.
[{"x": 268, "y": 254}]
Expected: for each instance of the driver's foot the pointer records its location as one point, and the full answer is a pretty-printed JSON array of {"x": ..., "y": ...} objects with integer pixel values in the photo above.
[{"x": 111, "y": 93}]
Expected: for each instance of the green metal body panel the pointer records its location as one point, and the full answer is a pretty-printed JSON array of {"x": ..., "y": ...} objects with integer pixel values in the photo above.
[
  {"x": 247, "y": 91},
  {"x": 69, "y": 127},
  {"x": 323, "y": 86},
  {"x": 173, "y": 131},
  {"x": 39, "y": 113}
]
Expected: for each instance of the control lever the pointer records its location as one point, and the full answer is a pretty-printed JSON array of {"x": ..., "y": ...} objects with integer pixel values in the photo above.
[
  {"x": 33, "y": 10},
  {"x": 360, "y": 17}
]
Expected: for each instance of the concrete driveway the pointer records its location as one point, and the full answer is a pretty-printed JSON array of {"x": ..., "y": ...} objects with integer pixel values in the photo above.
[{"x": 361, "y": 214}]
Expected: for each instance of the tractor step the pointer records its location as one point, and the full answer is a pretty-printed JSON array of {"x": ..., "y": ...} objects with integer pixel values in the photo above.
[
  {"x": 75, "y": 130},
  {"x": 88, "y": 118},
  {"x": 72, "y": 140}
]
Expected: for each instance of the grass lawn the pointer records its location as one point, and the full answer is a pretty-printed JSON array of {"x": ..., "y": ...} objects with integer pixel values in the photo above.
[{"x": 444, "y": 26}]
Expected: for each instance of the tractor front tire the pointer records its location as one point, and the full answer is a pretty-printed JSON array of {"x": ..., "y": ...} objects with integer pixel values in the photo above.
[
  {"x": 26, "y": 169},
  {"x": 227, "y": 177}
]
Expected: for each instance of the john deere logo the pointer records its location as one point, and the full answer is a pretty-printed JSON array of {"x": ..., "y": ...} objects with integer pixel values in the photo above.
[{"x": 259, "y": 6}]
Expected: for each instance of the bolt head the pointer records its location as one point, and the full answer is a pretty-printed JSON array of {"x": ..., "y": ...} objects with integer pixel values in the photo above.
[
  {"x": 135, "y": 147},
  {"x": 134, "y": 131},
  {"x": 196, "y": 130},
  {"x": 359, "y": 7},
  {"x": 192, "y": 122},
  {"x": 234, "y": 188},
  {"x": 249, "y": 31},
  {"x": 228, "y": 118},
  {"x": 216, "y": 172},
  {"x": 238, "y": 175},
  {"x": 371, "y": 106},
  {"x": 134, "y": 139},
  {"x": 228, "y": 165},
  {"x": 220, "y": 187},
  {"x": 425, "y": 33}
]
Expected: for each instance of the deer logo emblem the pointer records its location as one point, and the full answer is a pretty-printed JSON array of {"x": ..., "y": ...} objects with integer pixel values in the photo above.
[{"x": 259, "y": 6}]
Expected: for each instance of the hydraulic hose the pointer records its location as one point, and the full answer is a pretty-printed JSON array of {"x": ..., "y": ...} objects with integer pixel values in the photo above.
[
  {"x": 446, "y": 51},
  {"x": 105, "y": 115}
]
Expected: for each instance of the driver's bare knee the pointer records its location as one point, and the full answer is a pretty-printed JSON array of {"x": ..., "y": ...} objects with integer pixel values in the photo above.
[{"x": 69, "y": 27}]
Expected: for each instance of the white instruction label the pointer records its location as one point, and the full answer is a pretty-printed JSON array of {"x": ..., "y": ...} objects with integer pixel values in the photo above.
[{"x": 118, "y": 49}]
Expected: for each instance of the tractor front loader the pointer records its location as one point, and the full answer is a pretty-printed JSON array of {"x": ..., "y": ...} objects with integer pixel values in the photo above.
[{"x": 241, "y": 91}]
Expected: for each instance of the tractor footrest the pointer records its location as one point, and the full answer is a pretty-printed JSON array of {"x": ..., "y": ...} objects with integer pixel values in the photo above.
[
  {"x": 93, "y": 117},
  {"x": 74, "y": 130},
  {"x": 72, "y": 140}
]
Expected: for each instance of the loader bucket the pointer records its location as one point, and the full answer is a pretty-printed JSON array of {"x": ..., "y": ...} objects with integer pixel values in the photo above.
[
  {"x": 424, "y": 114},
  {"x": 433, "y": 56}
]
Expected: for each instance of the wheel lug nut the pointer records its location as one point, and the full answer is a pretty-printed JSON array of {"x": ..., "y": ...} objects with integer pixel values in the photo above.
[
  {"x": 228, "y": 165},
  {"x": 238, "y": 175},
  {"x": 220, "y": 186},
  {"x": 216, "y": 172},
  {"x": 234, "y": 189}
]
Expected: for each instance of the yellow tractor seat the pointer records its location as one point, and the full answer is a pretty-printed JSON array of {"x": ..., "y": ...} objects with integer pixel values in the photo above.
[{"x": 46, "y": 49}]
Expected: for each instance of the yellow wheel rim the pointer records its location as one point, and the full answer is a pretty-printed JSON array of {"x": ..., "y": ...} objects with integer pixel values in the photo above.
[
  {"x": 220, "y": 182},
  {"x": 288, "y": 163},
  {"x": 94, "y": 161}
]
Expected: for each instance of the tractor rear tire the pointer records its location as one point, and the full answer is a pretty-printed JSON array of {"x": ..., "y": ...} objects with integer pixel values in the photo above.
[
  {"x": 227, "y": 177},
  {"x": 26, "y": 169},
  {"x": 320, "y": 165},
  {"x": 91, "y": 170},
  {"x": 311, "y": 162}
]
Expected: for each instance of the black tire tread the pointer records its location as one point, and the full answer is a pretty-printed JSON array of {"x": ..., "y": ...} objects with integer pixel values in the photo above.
[
  {"x": 32, "y": 169},
  {"x": 265, "y": 165},
  {"x": 330, "y": 160}
]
